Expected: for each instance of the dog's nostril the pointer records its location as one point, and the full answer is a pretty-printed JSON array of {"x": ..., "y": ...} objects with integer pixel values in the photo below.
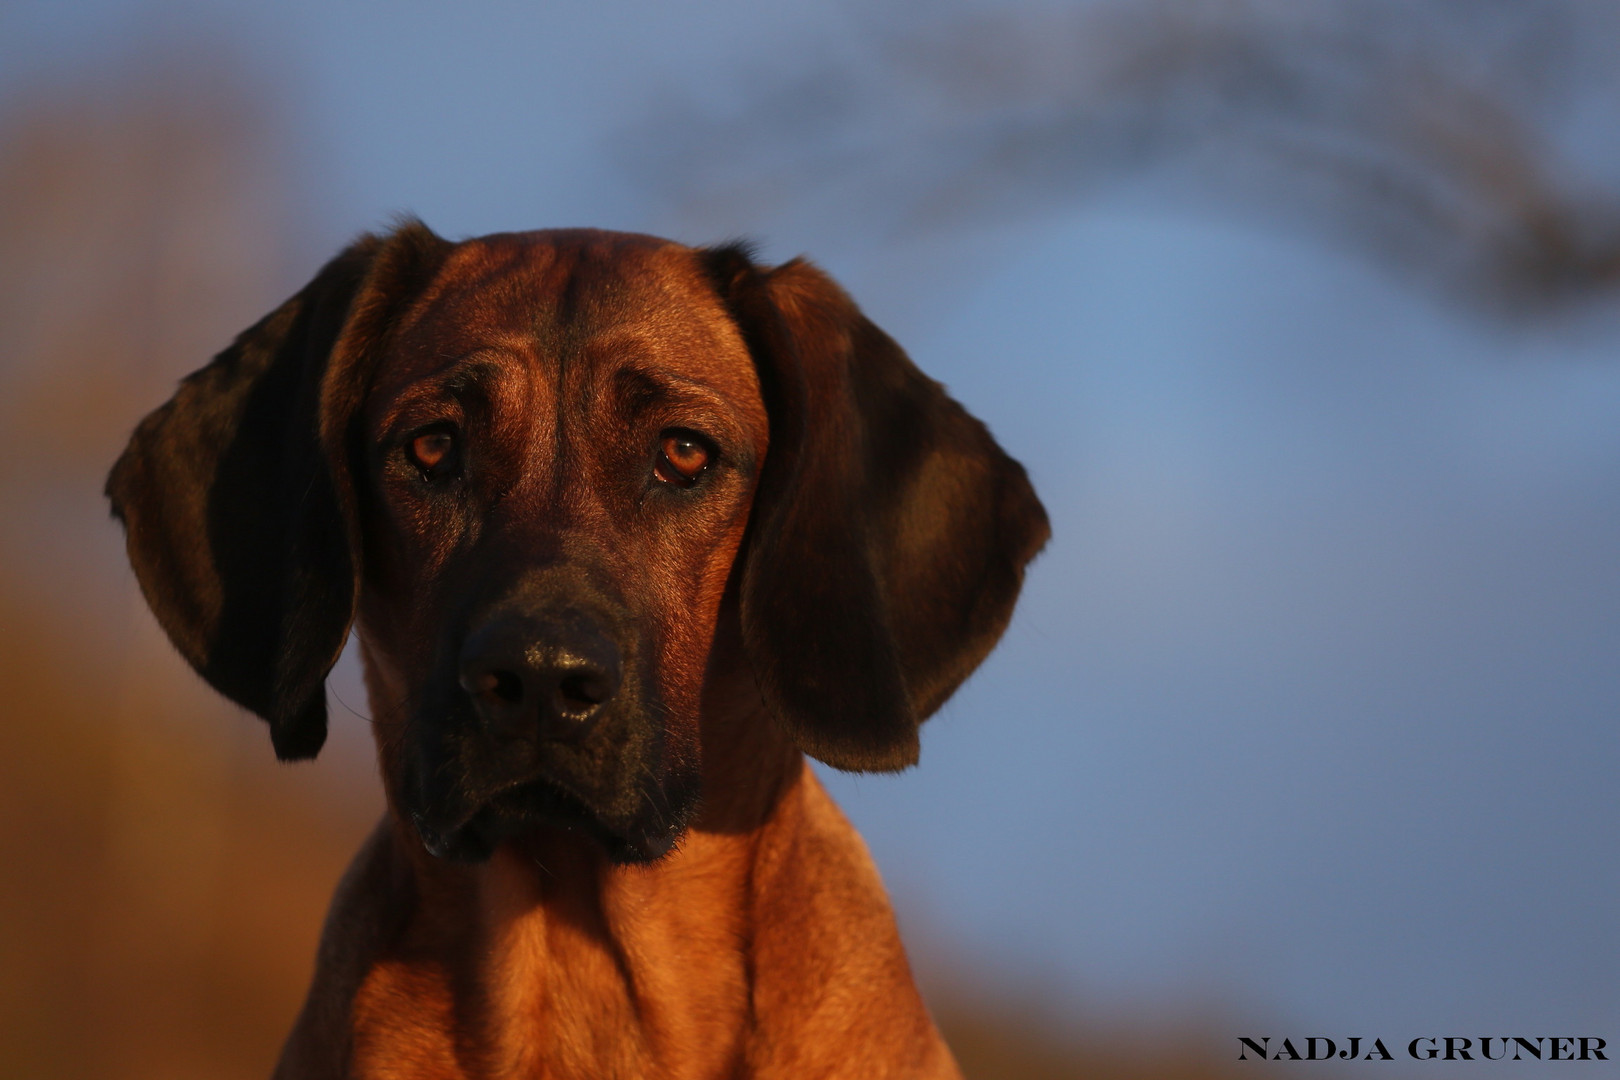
[
  {"x": 505, "y": 686},
  {"x": 494, "y": 687},
  {"x": 580, "y": 691}
]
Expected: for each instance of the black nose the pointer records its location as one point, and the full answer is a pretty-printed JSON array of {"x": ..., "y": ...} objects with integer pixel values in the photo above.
[{"x": 546, "y": 678}]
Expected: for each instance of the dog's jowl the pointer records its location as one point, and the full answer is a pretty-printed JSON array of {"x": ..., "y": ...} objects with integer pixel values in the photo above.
[{"x": 625, "y": 529}]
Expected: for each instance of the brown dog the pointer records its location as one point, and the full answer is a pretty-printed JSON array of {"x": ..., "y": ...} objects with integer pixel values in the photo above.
[{"x": 627, "y": 529}]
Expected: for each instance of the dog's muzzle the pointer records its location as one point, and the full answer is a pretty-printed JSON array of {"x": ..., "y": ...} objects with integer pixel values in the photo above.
[{"x": 547, "y": 716}]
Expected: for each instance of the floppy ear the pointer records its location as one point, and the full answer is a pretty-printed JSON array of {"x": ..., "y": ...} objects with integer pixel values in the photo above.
[
  {"x": 237, "y": 495},
  {"x": 889, "y": 532}
]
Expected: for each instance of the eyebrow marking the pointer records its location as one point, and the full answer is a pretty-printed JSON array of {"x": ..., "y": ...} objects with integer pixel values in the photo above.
[
  {"x": 644, "y": 389},
  {"x": 475, "y": 374}
]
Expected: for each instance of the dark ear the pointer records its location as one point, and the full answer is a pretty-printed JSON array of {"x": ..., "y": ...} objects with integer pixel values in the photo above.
[
  {"x": 889, "y": 534},
  {"x": 239, "y": 514}
]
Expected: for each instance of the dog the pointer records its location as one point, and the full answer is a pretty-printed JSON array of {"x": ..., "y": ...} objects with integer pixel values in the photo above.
[{"x": 625, "y": 529}]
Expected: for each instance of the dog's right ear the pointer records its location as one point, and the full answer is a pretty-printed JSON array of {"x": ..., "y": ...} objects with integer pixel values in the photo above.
[{"x": 237, "y": 495}]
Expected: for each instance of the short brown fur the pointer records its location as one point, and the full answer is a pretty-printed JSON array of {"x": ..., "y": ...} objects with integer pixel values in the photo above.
[{"x": 661, "y": 889}]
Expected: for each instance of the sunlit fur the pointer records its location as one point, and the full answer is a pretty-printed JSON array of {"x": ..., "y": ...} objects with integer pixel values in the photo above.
[{"x": 665, "y": 890}]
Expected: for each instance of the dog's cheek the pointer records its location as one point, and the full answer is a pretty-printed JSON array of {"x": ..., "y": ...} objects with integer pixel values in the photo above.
[
  {"x": 388, "y": 691},
  {"x": 400, "y": 628},
  {"x": 688, "y": 606}
]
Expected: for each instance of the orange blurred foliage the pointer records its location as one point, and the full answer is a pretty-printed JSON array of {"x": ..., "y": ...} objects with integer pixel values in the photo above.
[{"x": 165, "y": 878}]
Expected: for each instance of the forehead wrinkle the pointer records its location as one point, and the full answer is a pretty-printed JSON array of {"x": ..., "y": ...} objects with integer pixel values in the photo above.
[
  {"x": 644, "y": 390},
  {"x": 469, "y": 277},
  {"x": 485, "y": 372},
  {"x": 529, "y": 295},
  {"x": 574, "y": 307},
  {"x": 566, "y": 289},
  {"x": 678, "y": 341},
  {"x": 501, "y": 403}
]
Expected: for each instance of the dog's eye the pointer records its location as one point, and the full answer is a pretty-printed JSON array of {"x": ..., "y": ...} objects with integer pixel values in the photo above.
[
  {"x": 433, "y": 452},
  {"x": 682, "y": 457}
]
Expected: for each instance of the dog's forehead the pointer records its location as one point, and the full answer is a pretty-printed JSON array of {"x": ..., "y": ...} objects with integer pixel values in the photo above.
[{"x": 581, "y": 298}]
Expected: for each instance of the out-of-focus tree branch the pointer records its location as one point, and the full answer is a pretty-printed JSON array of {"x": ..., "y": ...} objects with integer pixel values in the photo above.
[{"x": 1435, "y": 135}]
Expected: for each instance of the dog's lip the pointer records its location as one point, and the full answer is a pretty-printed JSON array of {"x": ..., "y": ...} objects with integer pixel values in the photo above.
[
  {"x": 441, "y": 845},
  {"x": 511, "y": 812},
  {"x": 451, "y": 836}
]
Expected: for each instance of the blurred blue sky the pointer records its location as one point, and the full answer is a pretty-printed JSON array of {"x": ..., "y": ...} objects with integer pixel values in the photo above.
[{"x": 1309, "y": 714}]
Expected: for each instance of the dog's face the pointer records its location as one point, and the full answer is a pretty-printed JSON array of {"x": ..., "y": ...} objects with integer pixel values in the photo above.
[
  {"x": 546, "y": 470},
  {"x": 562, "y": 441}
]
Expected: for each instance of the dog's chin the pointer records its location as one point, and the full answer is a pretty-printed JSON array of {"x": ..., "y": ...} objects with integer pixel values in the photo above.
[{"x": 536, "y": 806}]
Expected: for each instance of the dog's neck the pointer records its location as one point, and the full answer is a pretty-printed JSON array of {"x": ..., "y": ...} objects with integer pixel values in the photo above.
[
  {"x": 550, "y": 959},
  {"x": 551, "y": 954},
  {"x": 728, "y": 957}
]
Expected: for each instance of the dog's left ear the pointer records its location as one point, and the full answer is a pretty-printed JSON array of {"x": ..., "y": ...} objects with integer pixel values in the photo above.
[
  {"x": 238, "y": 499},
  {"x": 889, "y": 534}
]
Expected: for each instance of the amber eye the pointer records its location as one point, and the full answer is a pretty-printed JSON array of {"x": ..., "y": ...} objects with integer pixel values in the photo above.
[
  {"x": 681, "y": 459},
  {"x": 433, "y": 452}
]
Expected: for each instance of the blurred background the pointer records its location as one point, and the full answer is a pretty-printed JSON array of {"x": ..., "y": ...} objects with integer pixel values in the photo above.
[{"x": 1302, "y": 314}]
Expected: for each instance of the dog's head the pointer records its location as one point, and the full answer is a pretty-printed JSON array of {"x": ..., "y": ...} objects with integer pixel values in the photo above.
[{"x": 542, "y": 469}]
